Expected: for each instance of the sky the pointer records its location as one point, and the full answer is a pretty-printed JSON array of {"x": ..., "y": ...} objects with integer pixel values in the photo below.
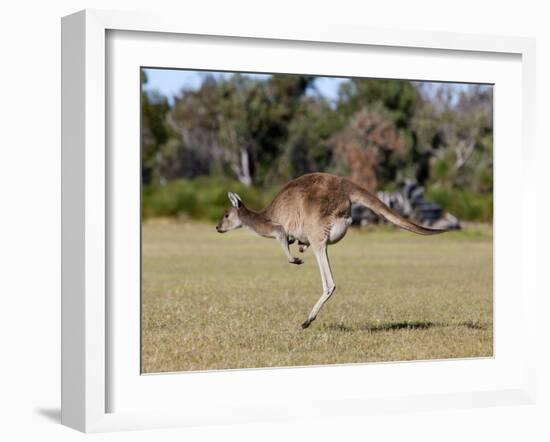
[{"x": 169, "y": 82}]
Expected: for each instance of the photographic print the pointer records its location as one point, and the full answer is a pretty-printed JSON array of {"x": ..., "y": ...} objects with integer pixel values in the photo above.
[{"x": 296, "y": 220}]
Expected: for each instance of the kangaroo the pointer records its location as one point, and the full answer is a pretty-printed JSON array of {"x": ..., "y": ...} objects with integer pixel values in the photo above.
[{"x": 315, "y": 210}]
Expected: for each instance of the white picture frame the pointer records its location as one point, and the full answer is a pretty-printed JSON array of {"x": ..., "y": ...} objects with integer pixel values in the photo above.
[{"x": 87, "y": 207}]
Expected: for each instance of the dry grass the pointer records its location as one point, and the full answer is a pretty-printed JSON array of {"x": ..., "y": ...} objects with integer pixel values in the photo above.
[{"x": 214, "y": 301}]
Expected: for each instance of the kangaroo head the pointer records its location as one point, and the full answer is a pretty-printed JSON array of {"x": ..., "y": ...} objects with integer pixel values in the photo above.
[{"x": 231, "y": 219}]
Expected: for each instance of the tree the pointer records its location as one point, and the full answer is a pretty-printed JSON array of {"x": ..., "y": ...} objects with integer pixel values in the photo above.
[
  {"x": 397, "y": 97},
  {"x": 241, "y": 123},
  {"x": 454, "y": 130},
  {"x": 306, "y": 148},
  {"x": 154, "y": 131},
  {"x": 368, "y": 147}
]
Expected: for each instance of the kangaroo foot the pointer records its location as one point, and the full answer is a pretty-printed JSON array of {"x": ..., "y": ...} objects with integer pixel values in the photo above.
[
  {"x": 296, "y": 261},
  {"x": 306, "y": 323}
]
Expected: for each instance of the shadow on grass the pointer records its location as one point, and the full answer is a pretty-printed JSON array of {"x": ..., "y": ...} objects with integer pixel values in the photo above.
[
  {"x": 473, "y": 325},
  {"x": 400, "y": 325}
]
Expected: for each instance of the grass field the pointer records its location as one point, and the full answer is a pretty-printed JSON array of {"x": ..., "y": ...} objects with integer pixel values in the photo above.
[{"x": 212, "y": 301}]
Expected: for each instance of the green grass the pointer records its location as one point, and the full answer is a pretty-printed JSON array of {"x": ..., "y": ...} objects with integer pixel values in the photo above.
[{"x": 214, "y": 301}]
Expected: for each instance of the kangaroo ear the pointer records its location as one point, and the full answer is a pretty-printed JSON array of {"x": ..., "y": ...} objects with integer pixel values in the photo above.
[{"x": 235, "y": 199}]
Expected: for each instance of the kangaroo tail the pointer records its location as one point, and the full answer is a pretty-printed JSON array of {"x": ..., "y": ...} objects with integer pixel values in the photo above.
[{"x": 365, "y": 198}]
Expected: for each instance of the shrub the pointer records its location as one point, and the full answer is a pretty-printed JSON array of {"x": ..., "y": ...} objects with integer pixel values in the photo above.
[
  {"x": 466, "y": 205},
  {"x": 203, "y": 198}
]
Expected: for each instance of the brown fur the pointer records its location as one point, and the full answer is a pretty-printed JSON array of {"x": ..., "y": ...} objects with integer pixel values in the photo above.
[{"x": 314, "y": 209}]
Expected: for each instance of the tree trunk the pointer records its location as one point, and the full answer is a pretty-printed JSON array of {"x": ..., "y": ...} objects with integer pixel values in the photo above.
[{"x": 243, "y": 169}]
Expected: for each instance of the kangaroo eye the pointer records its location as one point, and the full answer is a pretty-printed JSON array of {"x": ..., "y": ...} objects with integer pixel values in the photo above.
[{"x": 226, "y": 215}]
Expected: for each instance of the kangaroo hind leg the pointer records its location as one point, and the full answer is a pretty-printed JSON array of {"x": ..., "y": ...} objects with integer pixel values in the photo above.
[{"x": 326, "y": 279}]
